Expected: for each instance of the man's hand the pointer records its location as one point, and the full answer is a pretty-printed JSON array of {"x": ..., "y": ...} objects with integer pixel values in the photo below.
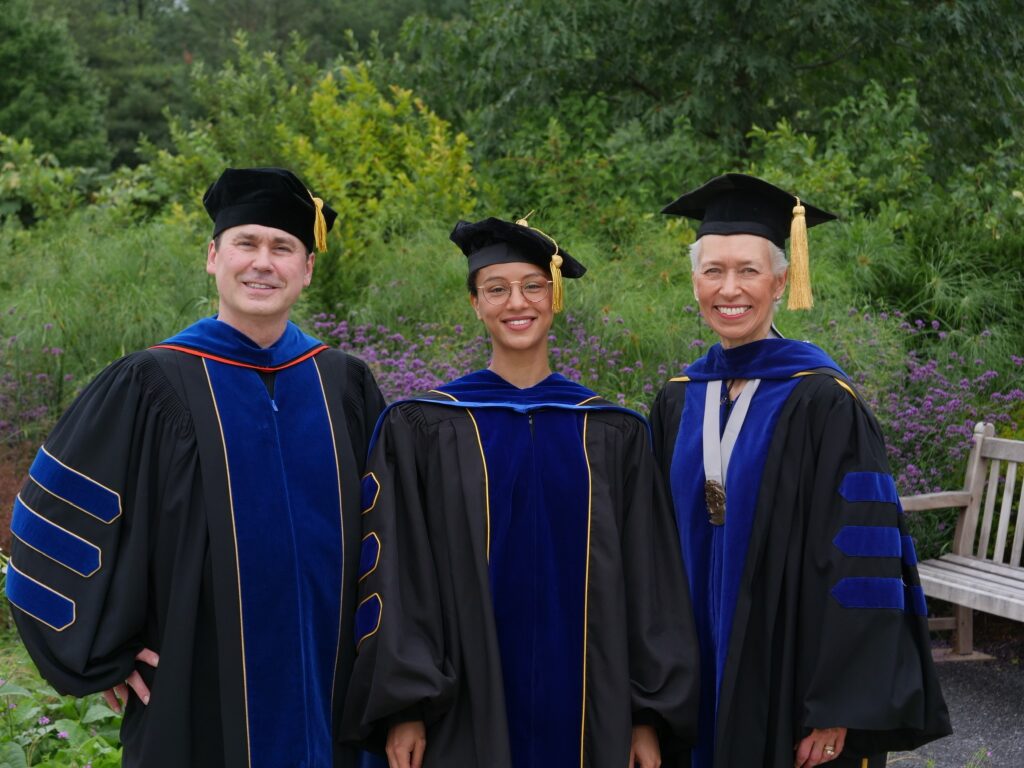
[
  {"x": 819, "y": 746},
  {"x": 406, "y": 744},
  {"x": 645, "y": 751},
  {"x": 118, "y": 695}
]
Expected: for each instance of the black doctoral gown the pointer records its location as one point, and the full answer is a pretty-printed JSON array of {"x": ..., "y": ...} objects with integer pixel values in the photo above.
[
  {"x": 807, "y": 601},
  {"x": 201, "y": 499},
  {"x": 521, "y": 590}
]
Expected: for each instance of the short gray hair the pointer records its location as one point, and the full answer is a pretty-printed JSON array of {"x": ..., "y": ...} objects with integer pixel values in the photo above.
[{"x": 777, "y": 255}]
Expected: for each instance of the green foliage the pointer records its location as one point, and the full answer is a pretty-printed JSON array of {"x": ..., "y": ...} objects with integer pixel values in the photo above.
[
  {"x": 46, "y": 94},
  {"x": 726, "y": 66},
  {"x": 40, "y": 728},
  {"x": 379, "y": 157},
  {"x": 34, "y": 186},
  {"x": 94, "y": 290},
  {"x": 125, "y": 47}
]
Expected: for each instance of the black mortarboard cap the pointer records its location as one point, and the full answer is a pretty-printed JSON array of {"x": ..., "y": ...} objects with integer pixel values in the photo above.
[
  {"x": 496, "y": 241},
  {"x": 737, "y": 204},
  {"x": 272, "y": 197}
]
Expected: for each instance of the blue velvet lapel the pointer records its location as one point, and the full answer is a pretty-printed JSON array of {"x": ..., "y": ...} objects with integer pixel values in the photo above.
[
  {"x": 286, "y": 511},
  {"x": 486, "y": 390},
  {"x": 213, "y": 339},
  {"x": 765, "y": 359},
  {"x": 715, "y": 556},
  {"x": 485, "y": 386}
]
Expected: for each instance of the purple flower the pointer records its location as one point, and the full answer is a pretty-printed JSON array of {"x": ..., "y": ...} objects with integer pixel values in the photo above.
[
  {"x": 44, "y": 720},
  {"x": 62, "y": 734}
]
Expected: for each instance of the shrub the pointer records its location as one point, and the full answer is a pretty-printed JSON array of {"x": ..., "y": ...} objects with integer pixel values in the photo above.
[{"x": 38, "y": 727}]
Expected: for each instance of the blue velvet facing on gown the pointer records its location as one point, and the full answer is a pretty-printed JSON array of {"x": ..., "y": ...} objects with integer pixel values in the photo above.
[
  {"x": 715, "y": 556},
  {"x": 287, "y": 517}
]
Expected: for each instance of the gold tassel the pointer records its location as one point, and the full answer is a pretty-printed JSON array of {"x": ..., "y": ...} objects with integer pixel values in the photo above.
[
  {"x": 319, "y": 224},
  {"x": 799, "y": 262},
  {"x": 557, "y": 286},
  {"x": 557, "y": 300}
]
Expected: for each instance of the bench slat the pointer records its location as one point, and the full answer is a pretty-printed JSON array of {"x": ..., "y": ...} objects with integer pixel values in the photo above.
[
  {"x": 968, "y": 592},
  {"x": 1002, "y": 448},
  {"x": 1009, "y": 484},
  {"x": 941, "y": 500},
  {"x": 1018, "y": 531},
  {"x": 939, "y": 570},
  {"x": 998, "y": 569},
  {"x": 990, "y": 506}
]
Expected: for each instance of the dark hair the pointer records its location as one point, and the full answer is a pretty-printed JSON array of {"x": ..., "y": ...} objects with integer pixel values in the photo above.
[{"x": 471, "y": 282}]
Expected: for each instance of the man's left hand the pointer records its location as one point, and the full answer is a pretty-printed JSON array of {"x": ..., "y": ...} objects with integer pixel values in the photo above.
[{"x": 117, "y": 696}]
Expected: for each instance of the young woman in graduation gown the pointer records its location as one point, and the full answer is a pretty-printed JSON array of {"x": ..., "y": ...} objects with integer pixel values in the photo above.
[
  {"x": 811, "y": 619},
  {"x": 522, "y": 600}
]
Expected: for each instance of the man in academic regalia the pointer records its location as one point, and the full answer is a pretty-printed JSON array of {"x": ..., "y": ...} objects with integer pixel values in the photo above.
[
  {"x": 809, "y": 611},
  {"x": 190, "y": 528}
]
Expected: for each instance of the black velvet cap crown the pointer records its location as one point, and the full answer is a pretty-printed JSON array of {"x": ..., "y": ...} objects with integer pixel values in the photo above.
[
  {"x": 495, "y": 241},
  {"x": 737, "y": 204},
  {"x": 272, "y": 197}
]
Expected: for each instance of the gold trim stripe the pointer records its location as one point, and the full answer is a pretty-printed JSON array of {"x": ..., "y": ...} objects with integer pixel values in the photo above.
[
  {"x": 380, "y": 617},
  {"x": 238, "y": 574},
  {"x": 376, "y": 495},
  {"x": 487, "y": 481},
  {"x": 376, "y": 561},
  {"x": 837, "y": 380},
  {"x": 586, "y": 585},
  {"x": 341, "y": 528}
]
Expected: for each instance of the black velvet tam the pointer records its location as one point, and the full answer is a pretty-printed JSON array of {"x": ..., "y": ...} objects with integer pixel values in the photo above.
[
  {"x": 271, "y": 197},
  {"x": 737, "y": 204},
  {"x": 495, "y": 241}
]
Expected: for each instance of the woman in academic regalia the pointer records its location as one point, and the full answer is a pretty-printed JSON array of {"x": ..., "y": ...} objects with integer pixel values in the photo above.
[
  {"x": 810, "y": 615},
  {"x": 523, "y": 603}
]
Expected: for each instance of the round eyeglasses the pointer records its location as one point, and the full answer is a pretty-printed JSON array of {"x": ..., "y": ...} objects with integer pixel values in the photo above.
[{"x": 499, "y": 291}]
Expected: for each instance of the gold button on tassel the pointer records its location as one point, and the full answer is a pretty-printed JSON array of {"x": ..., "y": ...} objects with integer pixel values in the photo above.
[{"x": 799, "y": 261}]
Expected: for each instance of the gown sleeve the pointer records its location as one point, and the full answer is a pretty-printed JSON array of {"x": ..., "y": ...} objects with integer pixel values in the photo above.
[
  {"x": 865, "y": 655},
  {"x": 665, "y": 415},
  {"x": 363, "y": 406},
  {"x": 82, "y": 525},
  {"x": 401, "y": 671},
  {"x": 662, "y": 641}
]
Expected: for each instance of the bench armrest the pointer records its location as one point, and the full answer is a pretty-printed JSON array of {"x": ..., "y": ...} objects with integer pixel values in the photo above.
[{"x": 941, "y": 500}]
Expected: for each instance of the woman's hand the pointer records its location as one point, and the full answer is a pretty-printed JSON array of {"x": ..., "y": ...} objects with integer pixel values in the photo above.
[
  {"x": 406, "y": 744},
  {"x": 819, "y": 746},
  {"x": 645, "y": 751}
]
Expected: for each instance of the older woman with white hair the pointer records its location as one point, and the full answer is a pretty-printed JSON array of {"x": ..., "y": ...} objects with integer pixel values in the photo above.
[{"x": 810, "y": 615}]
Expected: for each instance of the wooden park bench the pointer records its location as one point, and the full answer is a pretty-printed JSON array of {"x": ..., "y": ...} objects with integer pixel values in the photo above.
[{"x": 983, "y": 571}]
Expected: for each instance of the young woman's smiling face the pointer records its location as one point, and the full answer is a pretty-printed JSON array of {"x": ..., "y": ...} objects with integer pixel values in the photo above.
[{"x": 518, "y": 324}]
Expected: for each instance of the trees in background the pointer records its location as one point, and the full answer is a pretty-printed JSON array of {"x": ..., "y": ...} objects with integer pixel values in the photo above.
[
  {"x": 47, "y": 94},
  {"x": 902, "y": 115}
]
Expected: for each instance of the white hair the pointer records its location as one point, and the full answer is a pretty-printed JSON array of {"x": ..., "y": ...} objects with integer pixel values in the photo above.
[{"x": 777, "y": 255}]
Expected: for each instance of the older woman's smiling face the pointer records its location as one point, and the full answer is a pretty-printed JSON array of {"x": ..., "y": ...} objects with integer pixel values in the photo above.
[{"x": 735, "y": 287}]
